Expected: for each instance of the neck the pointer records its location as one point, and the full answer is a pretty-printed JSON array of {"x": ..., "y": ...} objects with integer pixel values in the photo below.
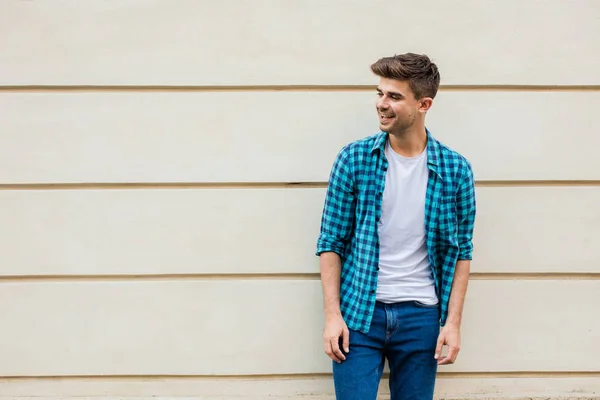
[{"x": 409, "y": 143}]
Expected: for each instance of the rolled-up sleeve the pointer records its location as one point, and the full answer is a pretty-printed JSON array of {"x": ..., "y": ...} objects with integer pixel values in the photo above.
[
  {"x": 466, "y": 210},
  {"x": 339, "y": 208}
]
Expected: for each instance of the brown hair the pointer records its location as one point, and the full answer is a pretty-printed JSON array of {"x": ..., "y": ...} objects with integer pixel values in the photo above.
[{"x": 421, "y": 73}]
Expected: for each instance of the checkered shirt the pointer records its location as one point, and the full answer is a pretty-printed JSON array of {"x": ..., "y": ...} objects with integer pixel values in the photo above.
[{"x": 353, "y": 208}]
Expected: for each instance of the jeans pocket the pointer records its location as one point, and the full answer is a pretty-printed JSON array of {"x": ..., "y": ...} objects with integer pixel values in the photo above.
[{"x": 427, "y": 306}]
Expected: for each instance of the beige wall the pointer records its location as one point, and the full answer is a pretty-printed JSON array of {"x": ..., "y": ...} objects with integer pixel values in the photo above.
[{"x": 163, "y": 169}]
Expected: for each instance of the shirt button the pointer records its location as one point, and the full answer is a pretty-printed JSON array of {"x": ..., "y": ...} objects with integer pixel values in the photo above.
[{"x": 372, "y": 291}]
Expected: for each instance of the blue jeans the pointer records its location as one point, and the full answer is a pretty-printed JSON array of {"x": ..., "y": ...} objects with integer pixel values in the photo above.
[{"x": 406, "y": 334}]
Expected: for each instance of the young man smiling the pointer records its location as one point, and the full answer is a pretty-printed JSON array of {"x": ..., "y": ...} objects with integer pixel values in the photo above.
[{"x": 395, "y": 244}]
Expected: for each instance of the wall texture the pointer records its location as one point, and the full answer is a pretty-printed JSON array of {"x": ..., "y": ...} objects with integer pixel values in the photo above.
[{"x": 163, "y": 169}]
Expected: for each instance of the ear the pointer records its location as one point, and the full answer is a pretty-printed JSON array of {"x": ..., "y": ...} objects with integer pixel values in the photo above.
[{"x": 425, "y": 104}]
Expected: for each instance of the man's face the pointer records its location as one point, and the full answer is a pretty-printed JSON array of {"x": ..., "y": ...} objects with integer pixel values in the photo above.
[{"x": 397, "y": 108}]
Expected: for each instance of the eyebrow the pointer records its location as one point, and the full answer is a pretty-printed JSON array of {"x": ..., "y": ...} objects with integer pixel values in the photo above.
[{"x": 391, "y": 93}]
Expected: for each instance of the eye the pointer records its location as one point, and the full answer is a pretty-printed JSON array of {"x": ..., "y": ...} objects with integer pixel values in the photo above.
[{"x": 379, "y": 94}]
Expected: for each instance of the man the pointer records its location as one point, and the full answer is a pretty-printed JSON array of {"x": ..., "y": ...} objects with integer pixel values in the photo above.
[{"x": 395, "y": 244}]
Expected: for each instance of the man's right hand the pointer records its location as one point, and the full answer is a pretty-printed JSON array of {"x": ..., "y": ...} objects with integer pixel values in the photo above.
[{"x": 335, "y": 327}]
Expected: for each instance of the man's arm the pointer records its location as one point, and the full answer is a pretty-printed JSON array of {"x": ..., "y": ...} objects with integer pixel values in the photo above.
[
  {"x": 336, "y": 228},
  {"x": 459, "y": 291},
  {"x": 450, "y": 333},
  {"x": 335, "y": 327}
]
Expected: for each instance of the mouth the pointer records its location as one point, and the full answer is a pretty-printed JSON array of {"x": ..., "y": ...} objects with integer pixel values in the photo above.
[{"x": 385, "y": 118}]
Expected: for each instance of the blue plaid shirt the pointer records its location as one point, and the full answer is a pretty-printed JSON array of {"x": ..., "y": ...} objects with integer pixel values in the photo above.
[{"x": 353, "y": 208}]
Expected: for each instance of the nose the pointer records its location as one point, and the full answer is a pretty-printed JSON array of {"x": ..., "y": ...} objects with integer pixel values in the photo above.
[{"x": 381, "y": 104}]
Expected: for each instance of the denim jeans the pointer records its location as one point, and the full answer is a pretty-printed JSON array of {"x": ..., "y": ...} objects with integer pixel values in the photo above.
[{"x": 406, "y": 335}]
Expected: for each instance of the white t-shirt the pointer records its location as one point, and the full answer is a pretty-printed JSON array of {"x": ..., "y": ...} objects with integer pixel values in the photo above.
[{"x": 405, "y": 273}]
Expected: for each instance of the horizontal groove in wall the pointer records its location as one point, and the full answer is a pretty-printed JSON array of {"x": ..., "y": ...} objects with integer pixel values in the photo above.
[
  {"x": 259, "y": 185},
  {"x": 277, "y": 88},
  {"x": 446, "y": 375},
  {"x": 160, "y": 277},
  {"x": 534, "y": 183},
  {"x": 534, "y": 276},
  {"x": 160, "y": 185},
  {"x": 276, "y": 276}
]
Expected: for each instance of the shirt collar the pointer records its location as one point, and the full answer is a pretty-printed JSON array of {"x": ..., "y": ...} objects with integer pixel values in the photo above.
[{"x": 433, "y": 149}]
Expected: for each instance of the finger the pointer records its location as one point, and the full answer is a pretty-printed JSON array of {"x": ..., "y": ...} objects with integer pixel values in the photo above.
[
  {"x": 335, "y": 345},
  {"x": 450, "y": 357},
  {"x": 438, "y": 347},
  {"x": 445, "y": 361},
  {"x": 329, "y": 351},
  {"x": 453, "y": 354},
  {"x": 346, "y": 340}
]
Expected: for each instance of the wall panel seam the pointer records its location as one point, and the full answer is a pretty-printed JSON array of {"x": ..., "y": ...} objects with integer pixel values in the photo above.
[
  {"x": 509, "y": 276},
  {"x": 444, "y": 375},
  {"x": 278, "y": 88},
  {"x": 261, "y": 185}
]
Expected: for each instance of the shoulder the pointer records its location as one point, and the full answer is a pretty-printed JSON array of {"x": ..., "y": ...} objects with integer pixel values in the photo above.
[
  {"x": 454, "y": 162},
  {"x": 360, "y": 147}
]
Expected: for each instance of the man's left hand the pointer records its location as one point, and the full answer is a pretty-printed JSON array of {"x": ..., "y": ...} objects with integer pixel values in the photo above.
[{"x": 449, "y": 336}]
